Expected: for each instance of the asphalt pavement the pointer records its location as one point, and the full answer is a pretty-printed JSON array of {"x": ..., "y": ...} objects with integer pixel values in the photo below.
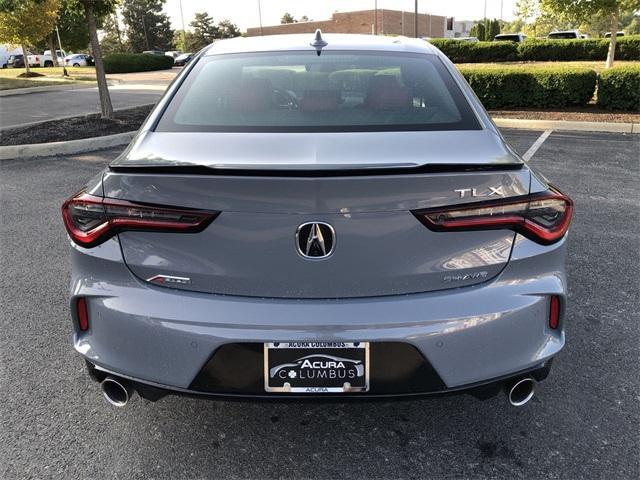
[
  {"x": 35, "y": 107},
  {"x": 583, "y": 423}
]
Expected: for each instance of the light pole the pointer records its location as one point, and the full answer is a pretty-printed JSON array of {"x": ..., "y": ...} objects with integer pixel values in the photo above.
[
  {"x": 415, "y": 19},
  {"x": 184, "y": 32},
  {"x": 375, "y": 17},
  {"x": 260, "y": 18},
  {"x": 64, "y": 68}
]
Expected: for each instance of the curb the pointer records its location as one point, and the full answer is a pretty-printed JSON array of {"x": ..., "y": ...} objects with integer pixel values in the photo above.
[
  {"x": 65, "y": 148},
  {"x": 566, "y": 125},
  {"x": 56, "y": 88}
]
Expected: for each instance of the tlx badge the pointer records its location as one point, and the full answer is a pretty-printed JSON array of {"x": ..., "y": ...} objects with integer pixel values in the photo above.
[{"x": 473, "y": 192}]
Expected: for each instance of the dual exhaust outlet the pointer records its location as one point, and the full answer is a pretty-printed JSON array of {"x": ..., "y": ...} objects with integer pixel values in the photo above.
[
  {"x": 520, "y": 391},
  {"x": 118, "y": 391}
]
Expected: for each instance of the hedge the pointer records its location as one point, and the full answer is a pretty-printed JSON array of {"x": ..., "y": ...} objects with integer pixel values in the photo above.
[
  {"x": 619, "y": 88},
  {"x": 509, "y": 87},
  {"x": 136, "y": 62},
  {"x": 627, "y": 48},
  {"x": 460, "y": 51}
]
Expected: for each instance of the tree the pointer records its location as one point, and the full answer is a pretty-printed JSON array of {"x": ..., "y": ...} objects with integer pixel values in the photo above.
[
  {"x": 72, "y": 25},
  {"x": 227, "y": 29},
  {"x": 26, "y": 22},
  {"x": 586, "y": 9},
  {"x": 491, "y": 28},
  {"x": 304, "y": 18},
  {"x": 112, "y": 41},
  {"x": 287, "y": 18},
  {"x": 598, "y": 25},
  {"x": 204, "y": 31},
  {"x": 147, "y": 27},
  {"x": 478, "y": 31},
  {"x": 98, "y": 9}
]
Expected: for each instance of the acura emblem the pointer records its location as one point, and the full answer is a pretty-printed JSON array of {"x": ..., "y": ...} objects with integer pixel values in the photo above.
[{"x": 315, "y": 240}]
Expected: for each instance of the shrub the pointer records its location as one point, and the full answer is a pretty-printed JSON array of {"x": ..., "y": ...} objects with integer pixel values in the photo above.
[
  {"x": 136, "y": 62},
  {"x": 562, "y": 50},
  {"x": 628, "y": 48},
  {"x": 508, "y": 87},
  {"x": 619, "y": 88},
  {"x": 475, "y": 52}
]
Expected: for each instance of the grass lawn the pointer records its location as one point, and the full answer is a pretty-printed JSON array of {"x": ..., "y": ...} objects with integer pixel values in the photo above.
[
  {"x": 49, "y": 72},
  {"x": 597, "y": 66},
  {"x": 52, "y": 76}
]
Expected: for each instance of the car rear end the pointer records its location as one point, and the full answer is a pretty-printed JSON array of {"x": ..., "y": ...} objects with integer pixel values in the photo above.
[{"x": 301, "y": 220}]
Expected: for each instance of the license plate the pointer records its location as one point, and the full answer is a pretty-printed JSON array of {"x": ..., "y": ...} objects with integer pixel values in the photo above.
[{"x": 316, "y": 367}]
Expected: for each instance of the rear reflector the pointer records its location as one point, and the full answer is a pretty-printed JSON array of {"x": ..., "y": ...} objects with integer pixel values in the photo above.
[
  {"x": 542, "y": 217},
  {"x": 83, "y": 314},
  {"x": 554, "y": 312},
  {"x": 92, "y": 220}
]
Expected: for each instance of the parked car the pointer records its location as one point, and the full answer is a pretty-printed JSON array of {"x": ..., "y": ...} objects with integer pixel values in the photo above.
[
  {"x": 466, "y": 39},
  {"x": 356, "y": 227},
  {"x": 183, "y": 59},
  {"x": 618, "y": 34},
  {"x": 153, "y": 52},
  {"x": 78, "y": 60},
  {"x": 5, "y": 52},
  {"x": 173, "y": 53},
  {"x": 564, "y": 35},
  {"x": 510, "y": 37},
  {"x": 15, "y": 61},
  {"x": 45, "y": 59}
]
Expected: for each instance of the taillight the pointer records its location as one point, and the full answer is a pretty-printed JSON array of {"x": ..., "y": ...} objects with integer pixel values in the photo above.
[
  {"x": 92, "y": 220},
  {"x": 542, "y": 217},
  {"x": 554, "y": 312},
  {"x": 83, "y": 314}
]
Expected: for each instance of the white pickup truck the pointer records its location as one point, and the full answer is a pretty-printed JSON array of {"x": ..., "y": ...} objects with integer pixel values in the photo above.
[{"x": 45, "y": 60}]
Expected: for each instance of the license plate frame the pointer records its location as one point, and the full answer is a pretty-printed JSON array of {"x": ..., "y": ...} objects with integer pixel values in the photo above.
[{"x": 349, "y": 362}]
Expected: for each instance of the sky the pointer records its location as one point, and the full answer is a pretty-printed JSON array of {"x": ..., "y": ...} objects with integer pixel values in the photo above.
[{"x": 244, "y": 13}]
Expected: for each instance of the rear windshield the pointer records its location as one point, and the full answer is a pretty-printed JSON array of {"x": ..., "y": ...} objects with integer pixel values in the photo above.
[
  {"x": 306, "y": 92},
  {"x": 507, "y": 38},
  {"x": 563, "y": 35}
]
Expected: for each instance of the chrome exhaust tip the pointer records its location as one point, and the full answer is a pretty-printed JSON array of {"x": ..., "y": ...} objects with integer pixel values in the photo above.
[
  {"x": 521, "y": 391},
  {"x": 116, "y": 391}
]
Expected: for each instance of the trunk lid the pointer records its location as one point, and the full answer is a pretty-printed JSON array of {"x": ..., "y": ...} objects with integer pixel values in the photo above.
[{"x": 380, "y": 247}]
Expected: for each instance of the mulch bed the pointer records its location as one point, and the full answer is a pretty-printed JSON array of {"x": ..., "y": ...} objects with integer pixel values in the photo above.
[
  {"x": 75, "y": 128},
  {"x": 590, "y": 113}
]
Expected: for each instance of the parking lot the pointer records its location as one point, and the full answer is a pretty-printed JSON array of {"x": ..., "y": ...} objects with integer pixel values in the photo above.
[
  {"x": 584, "y": 422},
  {"x": 21, "y": 110}
]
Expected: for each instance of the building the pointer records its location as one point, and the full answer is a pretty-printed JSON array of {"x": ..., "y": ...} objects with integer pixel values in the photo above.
[
  {"x": 459, "y": 28},
  {"x": 390, "y": 22}
]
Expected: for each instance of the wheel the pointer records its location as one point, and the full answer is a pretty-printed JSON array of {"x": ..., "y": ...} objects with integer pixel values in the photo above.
[
  {"x": 48, "y": 63},
  {"x": 76, "y": 64}
]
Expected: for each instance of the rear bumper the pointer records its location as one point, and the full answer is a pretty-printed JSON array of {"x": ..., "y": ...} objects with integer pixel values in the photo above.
[
  {"x": 481, "y": 390},
  {"x": 469, "y": 336}
]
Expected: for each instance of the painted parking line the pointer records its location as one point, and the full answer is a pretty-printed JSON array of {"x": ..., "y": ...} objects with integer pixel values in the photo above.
[{"x": 536, "y": 145}]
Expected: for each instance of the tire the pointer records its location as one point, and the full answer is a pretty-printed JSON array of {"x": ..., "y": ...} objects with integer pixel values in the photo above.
[
  {"x": 76, "y": 64},
  {"x": 48, "y": 63}
]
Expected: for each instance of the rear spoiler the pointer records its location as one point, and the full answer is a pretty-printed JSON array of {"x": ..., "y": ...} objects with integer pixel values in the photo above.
[{"x": 316, "y": 172}]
